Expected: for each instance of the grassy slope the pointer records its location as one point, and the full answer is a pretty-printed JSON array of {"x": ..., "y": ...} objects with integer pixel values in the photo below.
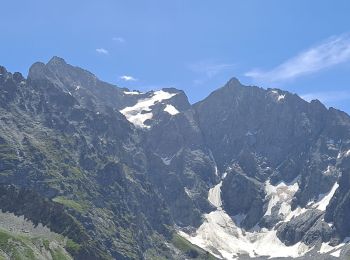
[
  {"x": 23, "y": 247},
  {"x": 190, "y": 250}
]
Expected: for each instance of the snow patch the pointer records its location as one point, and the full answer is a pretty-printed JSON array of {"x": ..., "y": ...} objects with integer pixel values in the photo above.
[
  {"x": 279, "y": 97},
  {"x": 171, "y": 110},
  {"x": 330, "y": 169},
  {"x": 336, "y": 253},
  {"x": 331, "y": 144},
  {"x": 214, "y": 195},
  {"x": 249, "y": 133},
  {"x": 132, "y": 93},
  {"x": 188, "y": 192},
  {"x": 343, "y": 154},
  {"x": 224, "y": 175},
  {"x": 326, "y": 248},
  {"x": 142, "y": 111},
  {"x": 282, "y": 195},
  {"x": 166, "y": 160},
  {"x": 347, "y": 153},
  {"x": 324, "y": 199}
]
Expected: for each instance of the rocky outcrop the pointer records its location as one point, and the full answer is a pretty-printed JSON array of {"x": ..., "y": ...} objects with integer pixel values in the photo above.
[
  {"x": 306, "y": 227},
  {"x": 243, "y": 195}
]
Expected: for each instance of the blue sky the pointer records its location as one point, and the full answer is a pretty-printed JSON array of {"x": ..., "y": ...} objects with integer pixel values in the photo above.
[{"x": 195, "y": 45}]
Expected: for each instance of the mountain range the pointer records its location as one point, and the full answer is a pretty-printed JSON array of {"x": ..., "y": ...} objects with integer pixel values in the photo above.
[{"x": 89, "y": 170}]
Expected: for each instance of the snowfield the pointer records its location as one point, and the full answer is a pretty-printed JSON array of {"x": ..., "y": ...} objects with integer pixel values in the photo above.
[
  {"x": 142, "y": 111},
  {"x": 171, "y": 110},
  {"x": 222, "y": 236}
]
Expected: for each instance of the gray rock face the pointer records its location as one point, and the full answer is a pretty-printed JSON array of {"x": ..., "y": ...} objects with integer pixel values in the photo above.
[
  {"x": 181, "y": 167},
  {"x": 306, "y": 228},
  {"x": 339, "y": 207},
  {"x": 243, "y": 195},
  {"x": 63, "y": 138},
  {"x": 273, "y": 135}
]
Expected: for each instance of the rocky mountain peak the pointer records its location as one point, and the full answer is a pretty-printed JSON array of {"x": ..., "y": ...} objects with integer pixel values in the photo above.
[
  {"x": 58, "y": 69},
  {"x": 233, "y": 82},
  {"x": 56, "y": 61},
  {"x": 264, "y": 161},
  {"x": 3, "y": 70},
  {"x": 18, "y": 77},
  {"x": 36, "y": 70}
]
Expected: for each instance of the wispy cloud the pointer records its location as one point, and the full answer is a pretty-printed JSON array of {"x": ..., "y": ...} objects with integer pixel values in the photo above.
[
  {"x": 331, "y": 52},
  {"x": 118, "y": 39},
  {"x": 102, "y": 51},
  {"x": 127, "y": 78},
  {"x": 328, "y": 96},
  {"x": 208, "y": 70}
]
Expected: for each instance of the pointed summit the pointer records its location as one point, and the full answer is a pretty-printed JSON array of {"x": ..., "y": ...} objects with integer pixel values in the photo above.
[
  {"x": 234, "y": 82},
  {"x": 56, "y": 61}
]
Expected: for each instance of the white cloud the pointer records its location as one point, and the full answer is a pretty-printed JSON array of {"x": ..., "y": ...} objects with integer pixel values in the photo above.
[
  {"x": 102, "y": 51},
  {"x": 118, "y": 39},
  {"x": 331, "y": 52},
  {"x": 208, "y": 70},
  {"x": 327, "y": 96},
  {"x": 127, "y": 78}
]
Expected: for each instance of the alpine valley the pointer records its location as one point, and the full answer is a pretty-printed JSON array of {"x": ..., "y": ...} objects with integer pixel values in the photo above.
[{"x": 89, "y": 170}]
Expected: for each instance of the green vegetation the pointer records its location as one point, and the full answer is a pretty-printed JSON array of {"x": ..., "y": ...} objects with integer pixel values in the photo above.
[
  {"x": 72, "y": 246},
  {"x": 20, "y": 247},
  {"x": 71, "y": 204},
  {"x": 8, "y": 159},
  {"x": 190, "y": 250},
  {"x": 58, "y": 254},
  {"x": 46, "y": 244},
  {"x": 15, "y": 247}
]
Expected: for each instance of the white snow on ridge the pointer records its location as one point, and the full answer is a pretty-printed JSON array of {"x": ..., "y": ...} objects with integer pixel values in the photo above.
[
  {"x": 278, "y": 96},
  {"x": 171, "y": 110},
  {"x": 132, "y": 93},
  {"x": 142, "y": 111}
]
